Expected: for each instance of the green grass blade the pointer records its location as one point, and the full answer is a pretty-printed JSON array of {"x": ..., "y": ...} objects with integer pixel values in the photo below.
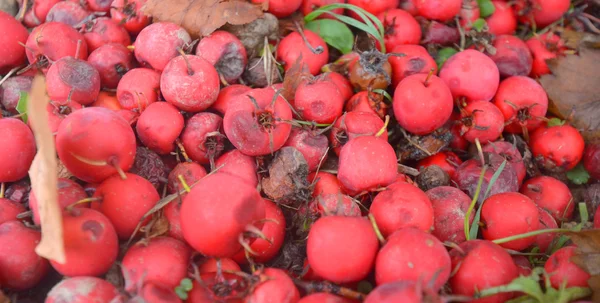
[
  {"x": 369, "y": 19},
  {"x": 475, "y": 225},
  {"x": 353, "y": 22},
  {"x": 494, "y": 179}
]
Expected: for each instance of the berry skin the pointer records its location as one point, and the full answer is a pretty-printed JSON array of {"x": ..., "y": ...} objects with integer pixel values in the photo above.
[
  {"x": 129, "y": 13},
  {"x": 523, "y": 102},
  {"x": 469, "y": 13},
  {"x": 557, "y": 146},
  {"x": 512, "y": 56},
  {"x": 541, "y": 12},
  {"x": 509, "y": 214},
  {"x": 191, "y": 83},
  {"x": 439, "y": 10},
  {"x": 503, "y": 21},
  {"x": 422, "y": 103},
  {"x": 416, "y": 61},
  {"x": 281, "y": 8},
  {"x": 551, "y": 195},
  {"x": 471, "y": 75},
  {"x": 12, "y": 53},
  {"x": 482, "y": 120},
  {"x": 400, "y": 28},
  {"x": 319, "y": 100},
  {"x": 293, "y": 46},
  {"x": 158, "y": 43},
  {"x": 226, "y": 52},
  {"x": 544, "y": 47},
  {"x": 447, "y": 161},
  {"x": 561, "y": 269},
  {"x": 591, "y": 159}
]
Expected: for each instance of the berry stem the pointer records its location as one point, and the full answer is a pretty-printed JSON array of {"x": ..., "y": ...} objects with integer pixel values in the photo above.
[
  {"x": 426, "y": 83},
  {"x": 114, "y": 163},
  {"x": 83, "y": 201},
  {"x": 182, "y": 150},
  {"x": 183, "y": 183},
  {"x": 384, "y": 128},
  {"x": 187, "y": 62},
  {"x": 318, "y": 50},
  {"x": 12, "y": 71},
  {"x": 376, "y": 229},
  {"x": 480, "y": 152}
]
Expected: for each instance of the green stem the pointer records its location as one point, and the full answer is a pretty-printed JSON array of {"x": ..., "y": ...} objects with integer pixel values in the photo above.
[
  {"x": 474, "y": 202},
  {"x": 530, "y": 234}
]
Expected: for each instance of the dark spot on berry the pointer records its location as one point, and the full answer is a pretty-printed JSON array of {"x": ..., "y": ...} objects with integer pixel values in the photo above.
[{"x": 94, "y": 227}]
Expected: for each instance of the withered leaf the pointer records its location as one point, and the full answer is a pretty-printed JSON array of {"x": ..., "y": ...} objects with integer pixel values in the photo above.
[
  {"x": 288, "y": 177},
  {"x": 202, "y": 17},
  {"x": 416, "y": 148},
  {"x": 293, "y": 77},
  {"x": 3, "y": 298},
  {"x": 576, "y": 39},
  {"x": 44, "y": 175},
  {"x": 573, "y": 90},
  {"x": 588, "y": 257}
]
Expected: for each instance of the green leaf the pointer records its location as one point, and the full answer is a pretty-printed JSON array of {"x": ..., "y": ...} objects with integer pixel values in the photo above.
[
  {"x": 584, "y": 215},
  {"x": 556, "y": 122},
  {"x": 384, "y": 93},
  {"x": 334, "y": 32},
  {"x": 186, "y": 284},
  {"x": 22, "y": 106},
  {"x": 181, "y": 293},
  {"x": 578, "y": 175},
  {"x": 494, "y": 178},
  {"x": 371, "y": 24},
  {"x": 479, "y": 24},
  {"x": 443, "y": 55},
  {"x": 534, "y": 293},
  {"x": 486, "y": 8}
]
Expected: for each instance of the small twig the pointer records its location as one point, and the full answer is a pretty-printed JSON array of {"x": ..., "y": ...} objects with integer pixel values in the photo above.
[
  {"x": 411, "y": 142},
  {"x": 407, "y": 170},
  {"x": 328, "y": 287},
  {"x": 12, "y": 71},
  {"x": 590, "y": 26}
]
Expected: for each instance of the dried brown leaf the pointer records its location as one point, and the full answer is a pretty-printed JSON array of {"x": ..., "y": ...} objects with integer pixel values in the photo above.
[
  {"x": 293, "y": 77},
  {"x": 576, "y": 39},
  {"x": 588, "y": 257},
  {"x": 44, "y": 175},
  {"x": 3, "y": 298},
  {"x": 202, "y": 17},
  {"x": 288, "y": 177},
  {"x": 573, "y": 90}
]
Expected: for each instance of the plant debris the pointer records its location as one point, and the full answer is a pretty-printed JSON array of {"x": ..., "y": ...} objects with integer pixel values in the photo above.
[
  {"x": 44, "y": 175},
  {"x": 202, "y": 17}
]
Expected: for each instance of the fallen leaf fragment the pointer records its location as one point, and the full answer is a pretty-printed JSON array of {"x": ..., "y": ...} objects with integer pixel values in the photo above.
[
  {"x": 43, "y": 174},
  {"x": 293, "y": 77},
  {"x": 202, "y": 17},
  {"x": 4, "y": 298},
  {"x": 573, "y": 90},
  {"x": 287, "y": 182},
  {"x": 588, "y": 257}
]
